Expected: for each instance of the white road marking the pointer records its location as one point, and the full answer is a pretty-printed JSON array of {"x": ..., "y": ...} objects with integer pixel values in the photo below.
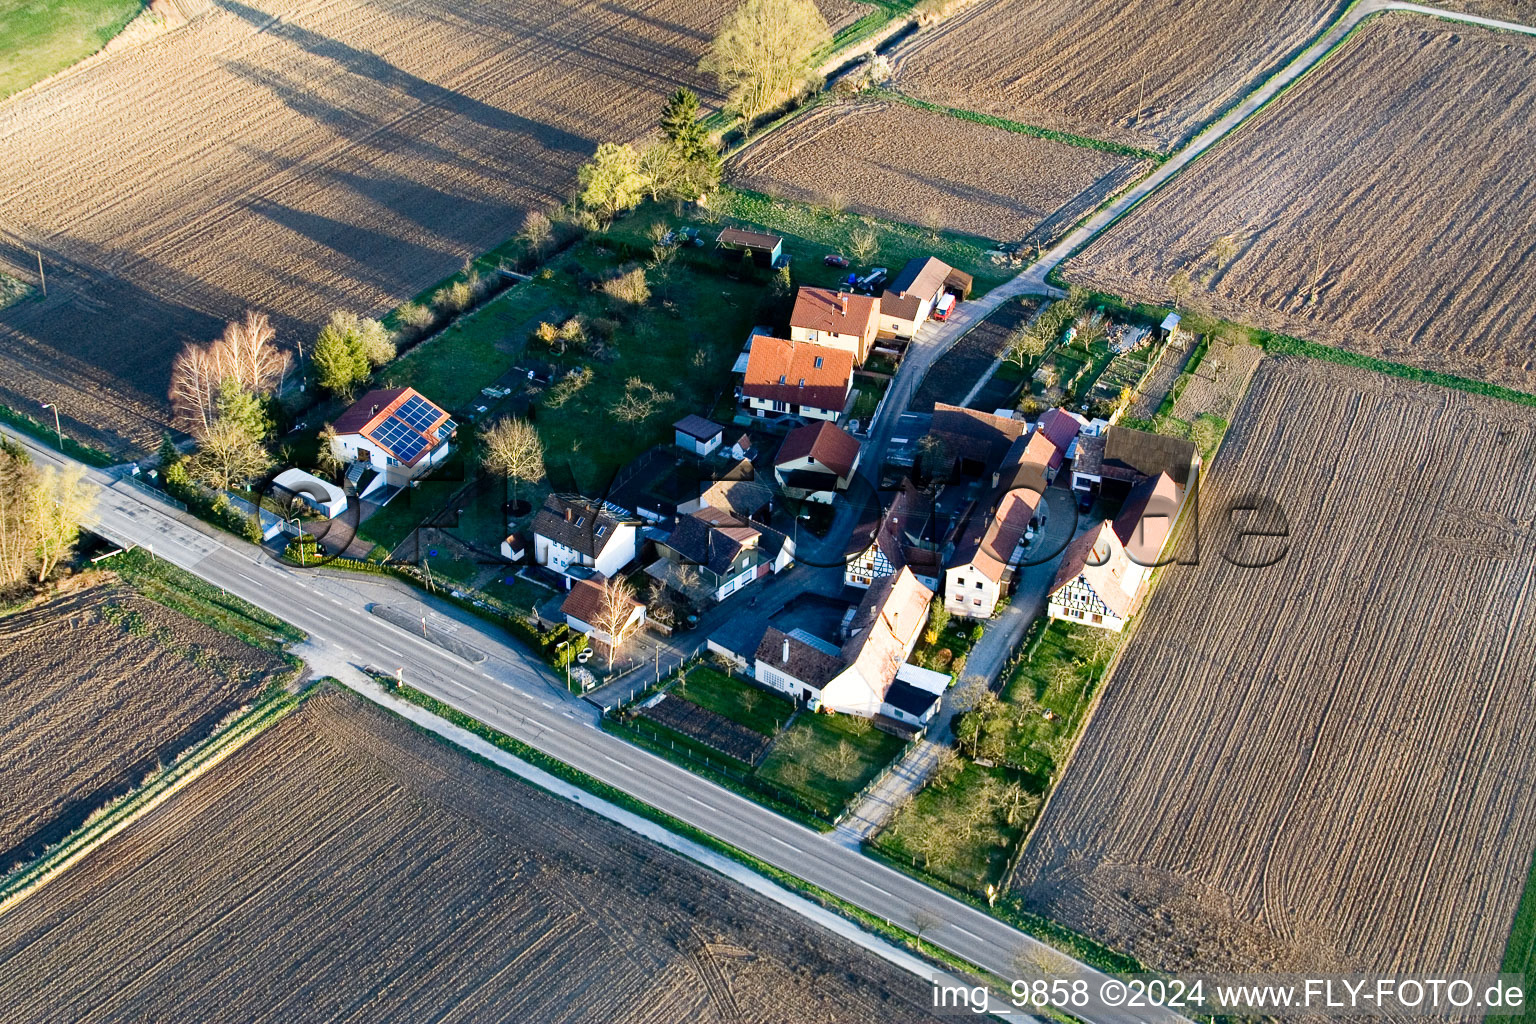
[
  {"x": 246, "y": 578},
  {"x": 317, "y": 615},
  {"x": 967, "y": 931},
  {"x": 547, "y": 704}
]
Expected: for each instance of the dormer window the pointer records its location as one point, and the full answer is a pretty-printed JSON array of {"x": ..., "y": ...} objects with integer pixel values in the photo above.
[
  {"x": 781, "y": 378},
  {"x": 602, "y": 530},
  {"x": 802, "y": 382}
]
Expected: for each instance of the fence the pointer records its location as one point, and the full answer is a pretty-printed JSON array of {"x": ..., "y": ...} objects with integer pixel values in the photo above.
[
  {"x": 158, "y": 495},
  {"x": 880, "y": 776}
]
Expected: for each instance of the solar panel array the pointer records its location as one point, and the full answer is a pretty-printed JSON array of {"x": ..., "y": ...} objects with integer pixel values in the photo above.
[
  {"x": 418, "y": 413},
  {"x": 399, "y": 439}
]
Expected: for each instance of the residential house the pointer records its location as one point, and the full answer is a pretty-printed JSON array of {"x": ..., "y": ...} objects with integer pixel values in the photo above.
[
  {"x": 835, "y": 319},
  {"x": 790, "y": 381},
  {"x": 694, "y": 433},
  {"x": 974, "y": 442},
  {"x": 586, "y": 610},
  {"x": 1116, "y": 459},
  {"x": 711, "y": 554},
  {"x": 743, "y": 448},
  {"x": 738, "y": 243},
  {"x": 571, "y": 532},
  {"x": 980, "y": 570},
  {"x": 868, "y": 676},
  {"x": 389, "y": 437},
  {"x": 911, "y": 296},
  {"x": 906, "y": 536},
  {"x": 1052, "y": 439},
  {"x": 738, "y": 491},
  {"x": 816, "y": 461},
  {"x": 1104, "y": 573}
]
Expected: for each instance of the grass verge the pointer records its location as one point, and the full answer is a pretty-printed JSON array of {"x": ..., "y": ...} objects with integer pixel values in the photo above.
[
  {"x": 49, "y": 438},
  {"x": 1520, "y": 953},
  {"x": 39, "y": 38},
  {"x": 1020, "y": 128}
]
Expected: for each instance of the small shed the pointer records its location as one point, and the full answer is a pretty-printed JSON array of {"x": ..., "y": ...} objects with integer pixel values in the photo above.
[
  {"x": 694, "y": 433},
  {"x": 763, "y": 247},
  {"x": 1168, "y": 330}
]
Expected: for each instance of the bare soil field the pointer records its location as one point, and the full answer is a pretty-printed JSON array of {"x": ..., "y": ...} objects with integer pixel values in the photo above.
[
  {"x": 1521, "y": 12},
  {"x": 1146, "y": 75},
  {"x": 345, "y": 867},
  {"x": 1323, "y": 764},
  {"x": 97, "y": 688},
  {"x": 296, "y": 157},
  {"x": 887, "y": 159},
  {"x": 1218, "y": 382},
  {"x": 1382, "y": 205}
]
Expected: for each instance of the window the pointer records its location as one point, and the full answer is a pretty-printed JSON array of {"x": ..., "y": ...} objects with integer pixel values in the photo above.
[
  {"x": 960, "y": 581},
  {"x": 818, "y": 362},
  {"x": 781, "y": 378},
  {"x": 978, "y": 584},
  {"x": 802, "y": 382},
  {"x": 1098, "y": 618},
  {"x": 580, "y": 520},
  {"x": 977, "y": 602},
  {"x": 602, "y": 530}
]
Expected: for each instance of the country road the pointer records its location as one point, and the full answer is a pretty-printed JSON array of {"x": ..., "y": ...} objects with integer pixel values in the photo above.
[{"x": 513, "y": 692}]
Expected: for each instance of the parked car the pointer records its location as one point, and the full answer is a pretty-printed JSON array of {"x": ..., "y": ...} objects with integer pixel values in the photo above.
[
  {"x": 874, "y": 279},
  {"x": 1084, "y": 500},
  {"x": 945, "y": 307},
  {"x": 834, "y": 260}
]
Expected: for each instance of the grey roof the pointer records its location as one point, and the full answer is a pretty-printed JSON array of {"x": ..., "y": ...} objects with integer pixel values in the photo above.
[
  {"x": 1145, "y": 454},
  {"x": 697, "y": 426}
]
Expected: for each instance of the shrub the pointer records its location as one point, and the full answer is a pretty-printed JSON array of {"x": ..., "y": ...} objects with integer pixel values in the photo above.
[
  {"x": 414, "y": 316},
  {"x": 630, "y": 286},
  {"x": 456, "y": 297}
]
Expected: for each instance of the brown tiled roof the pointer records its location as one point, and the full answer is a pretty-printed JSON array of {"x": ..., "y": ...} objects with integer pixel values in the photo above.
[
  {"x": 577, "y": 523},
  {"x": 887, "y": 622},
  {"x": 922, "y": 277},
  {"x": 805, "y": 663},
  {"x": 906, "y": 512},
  {"x": 826, "y": 443},
  {"x": 585, "y": 601},
  {"x": 1098, "y": 556},
  {"x": 749, "y": 239},
  {"x": 1142, "y": 534},
  {"x": 743, "y": 497},
  {"x": 370, "y": 411},
  {"x": 1089, "y": 459},
  {"x": 697, "y": 426},
  {"x": 989, "y": 540},
  {"x": 775, "y": 369},
  {"x": 1149, "y": 454},
  {"x": 822, "y": 309},
  {"x": 976, "y": 434}
]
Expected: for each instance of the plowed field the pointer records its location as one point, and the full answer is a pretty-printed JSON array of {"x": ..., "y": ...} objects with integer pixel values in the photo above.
[
  {"x": 1145, "y": 74},
  {"x": 1383, "y": 205},
  {"x": 96, "y": 689},
  {"x": 1324, "y": 764},
  {"x": 890, "y": 160},
  {"x": 346, "y": 867},
  {"x": 297, "y": 156}
]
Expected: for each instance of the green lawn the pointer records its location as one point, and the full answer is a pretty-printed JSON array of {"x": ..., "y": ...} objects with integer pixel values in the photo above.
[
  {"x": 683, "y": 341},
  {"x": 811, "y": 233},
  {"x": 1520, "y": 953},
  {"x": 962, "y": 830},
  {"x": 40, "y": 37},
  {"x": 166, "y": 584},
  {"x": 393, "y": 523},
  {"x": 867, "y": 394},
  {"x": 520, "y": 594},
  {"x": 828, "y": 758},
  {"x": 741, "y": 702},
  {"x": 1066, "y": 662}
]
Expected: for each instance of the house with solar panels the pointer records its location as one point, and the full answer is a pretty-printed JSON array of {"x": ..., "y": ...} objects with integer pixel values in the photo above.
[{"x": 389, "y": 437}]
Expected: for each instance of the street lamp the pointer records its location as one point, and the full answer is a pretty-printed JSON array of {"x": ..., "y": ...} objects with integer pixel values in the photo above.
[{"x": 56, "y": 428}]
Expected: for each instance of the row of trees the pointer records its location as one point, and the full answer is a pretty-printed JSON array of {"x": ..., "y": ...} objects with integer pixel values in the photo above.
[
  {"x": 684, "y": 163},
  {"x": 41, "y": 509}
]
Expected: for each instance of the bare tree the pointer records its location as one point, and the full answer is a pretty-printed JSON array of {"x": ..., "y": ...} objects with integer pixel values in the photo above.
[
  {"x": 1223, "y": 250},
  {"x": 923, "y": 921},
  {"x": 195, "y": 379},
  {"x": 640, "y": 401},
  {"x": 537, "y": 231},
  {"x": 845, "y": 759},
  {"x": 61, "y": 500},
  {"x": 248, "y": 352},
  {"x": 947, "y": 767},
  {"x": 614, "y": 613},
  {"x": 1024, "y": 345},
  {"x": 1180, "y": 287},
  {"x": 513, "y": 449},
  {"x": 863, "y": 244}
]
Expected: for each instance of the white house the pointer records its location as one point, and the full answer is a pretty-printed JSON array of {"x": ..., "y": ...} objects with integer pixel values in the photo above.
[
  {"x": 816, "y": 462},
  {"x": 1104, "y": 573},
  {"x": 835, "y": 319},
  {"x": 573, "y": 531},
  {"x": 981, "y": 568},
  {"x": 712, "y": 553},
  {"x": 911, "y": 296},
  {"x": 586, "y": 611},
  {"x": 396, "y": 434},
  {"x": 904, "y": 538},
  {"x": 694, "y": 433},
  {"x": 857, "y": 679},
  {"x": 789, "y": 379}
]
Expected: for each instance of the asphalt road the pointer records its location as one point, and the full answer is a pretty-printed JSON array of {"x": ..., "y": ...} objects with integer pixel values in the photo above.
[{"x": 514, "y": 693}]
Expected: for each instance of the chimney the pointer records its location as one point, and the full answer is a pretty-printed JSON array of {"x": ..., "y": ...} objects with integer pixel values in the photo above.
[
  {"x": 844, "y": 297},
  {"x": 567, "y": 513},
  {"x": 375, "y": 409},
  {"x": 786, "y": 650}
]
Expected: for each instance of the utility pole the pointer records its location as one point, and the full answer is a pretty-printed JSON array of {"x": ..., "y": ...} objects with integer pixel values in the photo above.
[
  {"x": 40, "y": 275},
  {"x": 56, "y": 428}
]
